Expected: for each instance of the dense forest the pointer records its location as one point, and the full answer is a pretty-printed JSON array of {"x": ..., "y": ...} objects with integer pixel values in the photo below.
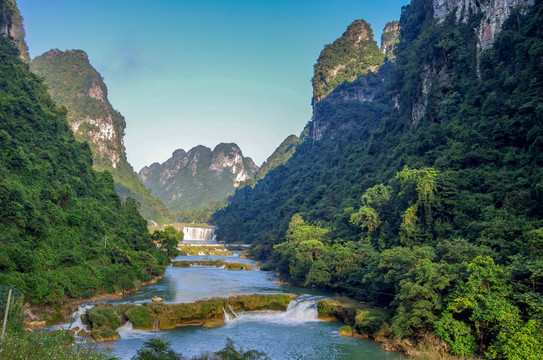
[
  {"x": 64, "y": 232},
  {"x": 426, "y": 201}
]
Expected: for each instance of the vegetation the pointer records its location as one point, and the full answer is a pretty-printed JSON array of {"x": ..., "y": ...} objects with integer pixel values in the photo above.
[
  {"x": 435, "y": 219},
  {"x": 195, "y": 182},
  {"x": 158, "y": 349},
  {"x": 64, "y": 232},
  {"x": 353, "y": 54},
  {"x": 74, "y": 84}
]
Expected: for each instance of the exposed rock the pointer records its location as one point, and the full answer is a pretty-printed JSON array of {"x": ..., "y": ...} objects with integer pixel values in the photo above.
[
  {"x": 157, "y": 299},
  {"x": 355, "y": 53},
  {"x": 11, "y": 26},
  {"x": 105, "y": 318},
  {"x": 76, "y": 85},
  {"x": 494, "y": 12},
  {"x": 190, "y": 180},
  {"x": 390, "y": 39}
]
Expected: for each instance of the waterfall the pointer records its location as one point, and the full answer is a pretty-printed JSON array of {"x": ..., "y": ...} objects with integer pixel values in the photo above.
[
  {"x": 196, "y": 233},
  {"x": 127, "y": 326},
  {"x": 233, "y": 311},
  {"x": 227, "y": 316},
  {"x": 155, "y": 324},
  {"x": 300, "y": 310}
]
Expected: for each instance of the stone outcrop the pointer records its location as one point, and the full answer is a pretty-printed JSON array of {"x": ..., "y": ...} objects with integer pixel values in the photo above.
[
  {"x": 390, "y": 39},
  {"x": 105, "y": 319},
  {"x": 75, "y": 84},
  {"x": 191, "y": 180},
  {"x": 494, "y": 13},
  {"x": 11, "y": 26},
  {"x": 355, "y": 53}
]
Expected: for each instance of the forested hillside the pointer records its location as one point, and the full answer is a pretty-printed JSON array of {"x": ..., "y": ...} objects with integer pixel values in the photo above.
[
  {"x": 423, "y": 196},
  {"x": 76, "y": 85},
  {"x": 64, "y": 232},
  {"x": 196, "y": 180}
]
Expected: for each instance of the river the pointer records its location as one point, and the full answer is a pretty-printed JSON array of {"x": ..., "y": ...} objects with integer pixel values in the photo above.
[{"x": 292, "y": 334}]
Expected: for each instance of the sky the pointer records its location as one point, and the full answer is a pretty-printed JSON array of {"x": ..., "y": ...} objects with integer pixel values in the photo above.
[{"x": 202, "y": 72}]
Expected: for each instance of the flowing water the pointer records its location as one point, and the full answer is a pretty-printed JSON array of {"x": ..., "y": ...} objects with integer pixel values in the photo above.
[{"x": 296, "y": 333}]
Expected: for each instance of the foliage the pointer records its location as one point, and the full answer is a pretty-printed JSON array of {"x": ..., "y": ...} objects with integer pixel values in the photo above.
[
  {"x": 39, "y": 346},
  {"x": 434, "y": 218},
  {"x": 74, "y": 84},
  {"x": 63, "y": 230},
  {"x": 159, "y": 349},
  {"x": 353, "y": 54},
  {"x": 168, "y": 239},
  {"x": 195, "y": 182}
]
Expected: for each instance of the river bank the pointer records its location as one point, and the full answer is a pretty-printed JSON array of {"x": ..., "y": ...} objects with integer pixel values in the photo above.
[{"x": 39, "y": 316}]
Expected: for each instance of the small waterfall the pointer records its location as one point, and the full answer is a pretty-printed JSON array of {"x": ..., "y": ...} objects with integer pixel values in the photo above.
[
  {"x": 233, "y": 311},
  {"x": 300, "y": 310},
  {"x": 127, "y": 326},
  {"x": 196, "y": 233},
  {"x": 227, "y": 316},
  {"x": 155, "y": 325}
]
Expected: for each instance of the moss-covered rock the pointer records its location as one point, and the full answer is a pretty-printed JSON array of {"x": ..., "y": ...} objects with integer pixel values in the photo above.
[
  {"x": 364, "y": 320},
  {"x": 105, "y": 334},
  {"x": 218, "y": 263},
  {"x": 105, "y": 319},
  {"x": 140, "y": 316}
]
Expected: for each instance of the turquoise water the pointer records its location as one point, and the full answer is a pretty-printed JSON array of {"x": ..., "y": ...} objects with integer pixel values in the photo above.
[{"x": 293, "y": 334}]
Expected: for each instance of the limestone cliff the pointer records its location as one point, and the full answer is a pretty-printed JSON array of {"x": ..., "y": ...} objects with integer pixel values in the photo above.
[
  {"x": 390, "y": 39},
  {"x": 355, "y": 53},
  {"x": 482, "y": 18},
  {"x": 494, "y": 13},
  {"x": 11, "y": 26},
  {"x": 191, "y": 180},
  {"x": 76, "y": 85}
]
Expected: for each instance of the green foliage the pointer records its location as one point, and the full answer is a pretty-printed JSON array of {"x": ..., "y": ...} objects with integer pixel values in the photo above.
[
  {"x": 436, "y": 219},
  {"x": 40, "y": 346},
  {"x": 353, "y": 54},
  {"x": 156, "y": 349},
  {"x": 63, "y": 230},
  {"x": 168, "y": 239},
  {"x": 74, "y": 84},
  {"x": 197, "y": 180}
]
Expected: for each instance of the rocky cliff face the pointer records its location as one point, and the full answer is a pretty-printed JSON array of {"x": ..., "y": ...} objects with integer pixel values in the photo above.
[
  {"x": 390, "y": 39},
  {"x": 11, "y": 26},
  {"x": 435, "y": 81},
  {"x": 75, "y": 84},
  {"x": 351, "y": 78},
  {"x": 355, "y": 53},
  {"x": 494, "y": 13},
  {"x": 190, "y": 180}
]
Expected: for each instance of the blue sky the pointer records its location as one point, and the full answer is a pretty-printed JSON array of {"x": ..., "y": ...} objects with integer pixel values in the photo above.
[{"x": 185, "y": 73}]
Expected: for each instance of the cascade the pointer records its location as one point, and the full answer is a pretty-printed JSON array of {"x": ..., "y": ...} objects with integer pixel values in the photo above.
[
  {"x": 155, "y": 325},
  {"x": 233, "y": 311},
  {"x": 227, "y": 316},
  {"x": 300, "y": 310},
  {"x": 197, "y": 233},
  {"x": 127, "y": 326}
]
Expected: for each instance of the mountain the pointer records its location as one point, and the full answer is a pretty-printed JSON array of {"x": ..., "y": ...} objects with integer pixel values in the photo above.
[
  {"x": 76, "y": 85},
  {"x": 12, "y": 27},
  {"x": 355, "y": 53},
  {"x": 193, "y": 179},
  {"x": 419, "y": 185},
  {"x": 390, "y": 39},
  {"x": 64, "y": 232},
  {"x": 279, "y": 157}
]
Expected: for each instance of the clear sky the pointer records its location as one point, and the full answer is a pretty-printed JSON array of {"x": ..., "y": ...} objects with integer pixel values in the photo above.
[{"x": 185, "y": 73}]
